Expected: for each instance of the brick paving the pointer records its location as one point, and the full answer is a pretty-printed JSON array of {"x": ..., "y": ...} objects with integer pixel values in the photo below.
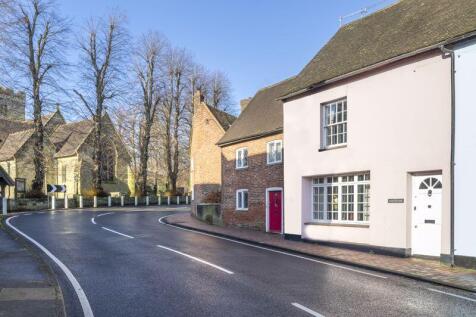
[{"x": 422, "y": 269}]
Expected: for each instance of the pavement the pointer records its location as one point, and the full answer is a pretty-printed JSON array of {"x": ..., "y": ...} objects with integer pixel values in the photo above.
[
  {"x": 128, "y": 262},
  {"x": 27, "y": 285},
  {"x": 423, "y": 269}
]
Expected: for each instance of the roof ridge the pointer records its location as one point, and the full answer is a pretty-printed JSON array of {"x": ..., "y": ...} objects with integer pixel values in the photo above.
[{"x": 378, "y": 11}]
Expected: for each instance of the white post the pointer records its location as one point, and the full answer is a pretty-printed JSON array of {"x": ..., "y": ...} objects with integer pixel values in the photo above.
[
  {"x": 186, "y": 200},
  {"x": 136, "y": 201},
  {"x": 159, "y": 200},
  {"x": 122, "y": 200},
  {"x": 147, "y": 200},
  {"x": 80, "y": 201},
  {"x": 168, "y": 200},
  {"x": 65, "y": 202},
  {"x": 95, "y": 202},
  {"x": 53, "y": 202},
  {"x": 109, "y": 202},
  {"x": 178, "y": 200},
  {"x": 4, "y": 205}
]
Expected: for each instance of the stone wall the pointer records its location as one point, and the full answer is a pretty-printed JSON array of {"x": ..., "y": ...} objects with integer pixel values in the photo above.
[
  {"x": 256, "y": 178},
  {"x": 12, "y": 104}
]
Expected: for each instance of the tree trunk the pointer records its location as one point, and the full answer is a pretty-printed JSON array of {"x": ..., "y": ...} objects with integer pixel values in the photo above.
[
  {"x": 97, "y": 157},
  {"x": 144, "y": 157},
  {"x": 38, "y": 159}
]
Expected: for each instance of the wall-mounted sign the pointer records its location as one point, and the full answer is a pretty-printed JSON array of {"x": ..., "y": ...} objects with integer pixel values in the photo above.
[{"x": 396, "y": 200}]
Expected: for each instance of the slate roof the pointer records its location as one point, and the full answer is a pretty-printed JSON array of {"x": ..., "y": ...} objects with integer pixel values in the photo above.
[
  {"x": 262, "y": 116},
  {"x": 224, "y": 118},
  {"x": 405, "y": 27},
  {"x": 68, "y": 137},
  {"x": 13, "y": 143},
  {"x": 5, "y": 178}
]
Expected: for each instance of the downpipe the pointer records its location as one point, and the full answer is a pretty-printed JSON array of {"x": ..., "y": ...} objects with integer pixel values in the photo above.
[{"x": 451, "y": 54}]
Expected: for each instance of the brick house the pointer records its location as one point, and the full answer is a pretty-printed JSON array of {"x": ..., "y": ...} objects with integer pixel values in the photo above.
[
  {"x": 208, "y": 126},
  {"x": 252, "y": 163}
]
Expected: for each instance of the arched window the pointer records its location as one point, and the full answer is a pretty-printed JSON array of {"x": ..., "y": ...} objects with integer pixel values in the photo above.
[
  {"x": 108, "y": 161},
  {"x": 430, "y": 183}
]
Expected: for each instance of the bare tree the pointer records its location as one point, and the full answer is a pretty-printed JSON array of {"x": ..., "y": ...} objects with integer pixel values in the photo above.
[
  {"x": 35, "y": 38},
  {"x": 173, "y": 111},
  {"x": 148, "y": 56},
  {"x": 219, "y": 91},
  {"x": 103, "y": 50}
]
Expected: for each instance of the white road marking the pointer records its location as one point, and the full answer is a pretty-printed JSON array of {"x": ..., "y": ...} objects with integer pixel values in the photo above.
[
  {"x": 275, "y": 251},
  {"x": 114, "y": 231},
  {"x": 106, "y": 213},
  {"x": 197, "y": 259},
  {"x": 453, "y": 295},
  {"x": 93, "y": 219},
  {"x": 307, "y": 310},
  {"x": 83, "y": 300}
]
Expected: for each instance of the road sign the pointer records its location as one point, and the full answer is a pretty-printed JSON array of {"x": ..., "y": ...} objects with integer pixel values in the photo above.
[{"x": 51, "y": 188}]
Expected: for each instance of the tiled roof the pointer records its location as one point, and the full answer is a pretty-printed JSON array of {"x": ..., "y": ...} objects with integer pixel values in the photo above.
[
  {"x": 5, "y": 178},
  {"x": 67, "y": 138},
  {"x": 403, "y": 28},
  {"x": 224, "y": 118},
  {"x": 13, "y": 143},
  {"x": 262, "y": 116}
]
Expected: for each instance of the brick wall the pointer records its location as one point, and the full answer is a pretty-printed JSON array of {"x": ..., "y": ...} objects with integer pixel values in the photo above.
[
  {"x": 257, "y": 177},
  {"x": 205, "y": 155}
]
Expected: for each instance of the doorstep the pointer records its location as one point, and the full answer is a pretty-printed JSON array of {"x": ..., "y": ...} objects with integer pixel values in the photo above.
[{"x": 432, "y": 271}]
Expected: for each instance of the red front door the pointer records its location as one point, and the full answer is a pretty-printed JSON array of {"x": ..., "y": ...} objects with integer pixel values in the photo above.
[{"x": 275, "y": 210}]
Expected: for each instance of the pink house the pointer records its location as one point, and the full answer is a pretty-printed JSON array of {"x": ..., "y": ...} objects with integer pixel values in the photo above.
[{"x": 367, "y": 133}]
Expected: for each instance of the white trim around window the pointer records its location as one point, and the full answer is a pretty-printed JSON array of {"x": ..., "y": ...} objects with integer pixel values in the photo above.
[
  {"x": 242, "y": 199},
  {"x": 241, "y": 158},
  {"x": 334, "y": 124},
  {"x": 274, "y": 152},
  {"x": 341, "y": 199}
]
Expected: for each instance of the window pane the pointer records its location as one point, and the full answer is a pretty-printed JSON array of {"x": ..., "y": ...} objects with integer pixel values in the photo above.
[{"x": 245, "y": 200}]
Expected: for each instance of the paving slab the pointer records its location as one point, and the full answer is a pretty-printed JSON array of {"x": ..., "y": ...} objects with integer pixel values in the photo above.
[{"x": 422, "y": 269}]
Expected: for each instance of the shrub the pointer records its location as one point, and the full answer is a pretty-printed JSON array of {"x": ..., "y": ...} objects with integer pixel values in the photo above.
[
  {"x": 35, "y": 194},
  {"x": 91, "y": 192}
]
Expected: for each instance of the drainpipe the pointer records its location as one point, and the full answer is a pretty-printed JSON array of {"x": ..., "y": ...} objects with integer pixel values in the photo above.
[{"x": 447, "y": 52}]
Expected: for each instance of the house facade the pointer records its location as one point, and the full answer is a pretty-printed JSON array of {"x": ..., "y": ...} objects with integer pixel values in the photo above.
[
  {"x": 208, "y": 127},
  {"x": 68, "y": 152},
  {"x": 252, "y": 164},
  {"x": 367, "y": 129}
]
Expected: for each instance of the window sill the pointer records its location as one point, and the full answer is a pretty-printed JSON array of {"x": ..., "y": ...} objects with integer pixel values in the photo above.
[
  {"x": 334, "y": 224},
  {"x": 241, "y": 209},
  {"x": 323, "y": 149},
  {"x": 241, "y": 168},
  {"x": 274, "y": 163}
]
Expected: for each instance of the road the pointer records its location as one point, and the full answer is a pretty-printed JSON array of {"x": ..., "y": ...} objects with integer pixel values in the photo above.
[{"x": 130, "y": 264}]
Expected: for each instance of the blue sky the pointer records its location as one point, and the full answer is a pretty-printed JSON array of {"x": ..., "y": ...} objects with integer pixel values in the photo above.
[{"x": 256, "y": 43}]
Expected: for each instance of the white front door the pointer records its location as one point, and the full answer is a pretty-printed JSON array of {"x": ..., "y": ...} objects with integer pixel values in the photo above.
[{"x": 426, "y": 215}]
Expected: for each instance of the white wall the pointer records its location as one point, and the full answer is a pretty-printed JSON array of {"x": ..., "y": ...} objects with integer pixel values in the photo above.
[
  {"x": 398, "y": 123},
  {"x": 465, "y": 149}
]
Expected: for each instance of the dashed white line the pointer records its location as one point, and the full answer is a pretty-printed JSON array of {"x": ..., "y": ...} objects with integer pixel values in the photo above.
[
  {"x": 106, "y": 213},
  {"x": 197, "y": 259},
  {"x": 116, "y": 232},
  {"x": 83, "y": 300},
  {"x": 307, "y": 310},
  {"x": 93, "y": 221},
  {"x": 453, "y": 295},
  {"x": 275, "y": 251}
]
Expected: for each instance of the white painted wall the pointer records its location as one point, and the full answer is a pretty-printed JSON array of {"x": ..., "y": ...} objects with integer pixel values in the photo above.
[
  {"x": 465, "y": 149},
  {"x": 398, "y": 123}
]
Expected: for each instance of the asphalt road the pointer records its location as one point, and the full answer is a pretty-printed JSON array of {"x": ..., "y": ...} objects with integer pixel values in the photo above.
[{"x": 130, "y": 264}]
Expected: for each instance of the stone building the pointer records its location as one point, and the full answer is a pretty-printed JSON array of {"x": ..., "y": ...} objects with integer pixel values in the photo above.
[
  {"x": 68, "y": 151},
  {"x": 208, "y": 126},
  {"x": 252, "y": 163}
]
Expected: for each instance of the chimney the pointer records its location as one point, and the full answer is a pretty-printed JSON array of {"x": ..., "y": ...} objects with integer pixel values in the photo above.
[{"x": 244, "y": 103}]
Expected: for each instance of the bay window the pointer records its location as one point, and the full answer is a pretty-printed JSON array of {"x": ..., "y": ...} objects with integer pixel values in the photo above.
[{"x": 343, "y": 198}]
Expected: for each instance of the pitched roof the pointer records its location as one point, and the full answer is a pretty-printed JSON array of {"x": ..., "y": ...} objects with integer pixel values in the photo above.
[
  {"x": 405, "y": 27},
  {"x": 13, "y": 143},
  {"x": 67, "y": 138},
  {"x": 5, "y": 178},
  {"x": 224, "y": 118},
  {"x": 262, "y": 116}
]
